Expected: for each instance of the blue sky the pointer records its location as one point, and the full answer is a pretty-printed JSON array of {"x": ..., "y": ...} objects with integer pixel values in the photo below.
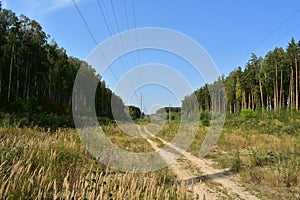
[{"x": 229, "y": 30}]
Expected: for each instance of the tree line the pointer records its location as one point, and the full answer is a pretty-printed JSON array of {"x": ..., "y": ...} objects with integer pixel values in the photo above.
[
  {"x": 268, "y": 83},
  {"x": 36, "y": 75}
]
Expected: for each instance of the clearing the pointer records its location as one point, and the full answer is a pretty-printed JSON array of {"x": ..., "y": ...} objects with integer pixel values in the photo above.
[{"x": 203, "y": 180}]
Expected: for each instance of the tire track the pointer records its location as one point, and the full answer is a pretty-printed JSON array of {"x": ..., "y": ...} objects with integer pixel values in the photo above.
[{"x": 210, "y": 184}]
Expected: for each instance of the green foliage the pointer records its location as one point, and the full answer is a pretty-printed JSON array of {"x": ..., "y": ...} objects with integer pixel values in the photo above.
[
  {"x": 44, "y": 113},
  {"x": 7, "y": 121},
  {"x": 265, "y": 84},
  {"x": 49, "y": 105},
  {"x": 134, "y": 112},
  {"x": 205, "y": 118},
  {"x": 43, "y": 120},
  {"x": 248, "y": 114},
  {"x": 276, "y": 123},
  {"x": 37, "y": 76}
]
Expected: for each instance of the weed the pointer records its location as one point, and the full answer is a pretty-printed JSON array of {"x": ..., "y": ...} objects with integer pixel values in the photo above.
[{"x": 237, "y": 163}]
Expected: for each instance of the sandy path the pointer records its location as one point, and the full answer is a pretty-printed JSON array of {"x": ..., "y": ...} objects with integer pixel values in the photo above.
[{"x": 203, "y": 180}]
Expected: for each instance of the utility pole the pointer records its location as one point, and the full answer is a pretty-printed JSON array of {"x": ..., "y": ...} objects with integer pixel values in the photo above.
[{"x": 0, "y": 6}]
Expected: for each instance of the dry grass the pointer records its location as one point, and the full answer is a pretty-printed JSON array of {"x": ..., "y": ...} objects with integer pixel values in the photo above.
[
  {"x": 39, "y": 165},
  {"x": 267, "y": 161},
  {"x": 133, "y": 142}
]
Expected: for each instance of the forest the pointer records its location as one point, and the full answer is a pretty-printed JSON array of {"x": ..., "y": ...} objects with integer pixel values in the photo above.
[
  {"x": 269, "y": 83},
  {"x": 37, "y": 76}
]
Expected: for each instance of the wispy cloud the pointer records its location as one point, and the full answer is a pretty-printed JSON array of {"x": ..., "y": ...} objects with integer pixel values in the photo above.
[
  {"x": 59, "y": 4},
  {"x": 44, "y": 7}
]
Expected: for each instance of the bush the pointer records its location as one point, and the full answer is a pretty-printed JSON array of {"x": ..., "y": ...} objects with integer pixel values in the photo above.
[
  {"x": 51, "y": 121},
  {"x": 237, "y": 163},
  {"x": 205, "y": 118},
  {"x": 42, "y": 120},
  {"x": 248, "y": 114},
  {"x": 7, "y": 120},
  {"x": 16, "y": 106}
]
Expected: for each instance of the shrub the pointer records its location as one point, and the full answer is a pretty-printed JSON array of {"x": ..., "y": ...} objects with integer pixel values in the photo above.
[
  {"x": 205, "y": 118},
  {"x": 248, "y": 114},
  {"x": 237, "y": 163}
]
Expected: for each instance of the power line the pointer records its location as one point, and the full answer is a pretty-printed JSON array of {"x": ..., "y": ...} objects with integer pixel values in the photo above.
[
  {"x": 109, "y": 27},
  {"x": 134, "y": 55},
  {"x": 269, "y": 35},
  {"x": 104, "y": 17},
  {"x": 133, "y": 8},
  {"x": 293, "y": 29},
  {"x": 91, "y": 33},
  {"x": 136, "y": 40},
  {"x": 277, "y": 28},
  {"x": 125, "y": 9},
  {"x": 108, "y": 24},
  {"x": 118, "y": 28},
  {"x": 127, "y": 21},
  {"x": 85, "y": 23},
  {"x": 135, "y": 27}
]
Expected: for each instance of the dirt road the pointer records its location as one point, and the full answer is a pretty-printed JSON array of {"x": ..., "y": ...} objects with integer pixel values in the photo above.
[{"x": 203, "y": 180}]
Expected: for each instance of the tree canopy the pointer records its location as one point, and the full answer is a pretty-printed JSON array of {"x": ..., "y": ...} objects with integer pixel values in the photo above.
[
  {"x": 269, "y": 83},
  {"x": 36, "y": 75}
]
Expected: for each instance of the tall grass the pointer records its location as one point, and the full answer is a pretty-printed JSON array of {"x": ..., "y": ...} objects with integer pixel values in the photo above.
[
  {"x": 263, "y": 149},
  {"x": 40, "y": 165}
]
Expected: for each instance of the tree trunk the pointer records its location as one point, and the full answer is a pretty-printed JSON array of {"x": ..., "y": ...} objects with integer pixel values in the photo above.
[
  {"x": 276, "y": 86},
  {"x": 25, "y": 81},
  {"x": 291, "y": 88},
  {"x": 18, "y": 81},
  {"x": 297, "y": 96},
  {"x": 244, "y": 105},
  {"x": 10, "y": 72},
  {"x": 280, "y": 98},
  {"x": 261, "y": 95},
  {"x": 28, "y": 84},
  {"x": 253, "y": 103},
  {"x": 220, "y": 104},
  {"x": 249, "y": 100},
  {"x": 0, "y": 78},
  {"x": 49, "y": 88},
  {"x": 36, "y": 87},
  {"x": 268, "y": 103},
  {"x": 275, "y": 99}
]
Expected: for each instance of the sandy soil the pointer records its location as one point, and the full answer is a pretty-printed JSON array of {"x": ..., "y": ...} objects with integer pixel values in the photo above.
[{"x": 203, "y": 180}]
